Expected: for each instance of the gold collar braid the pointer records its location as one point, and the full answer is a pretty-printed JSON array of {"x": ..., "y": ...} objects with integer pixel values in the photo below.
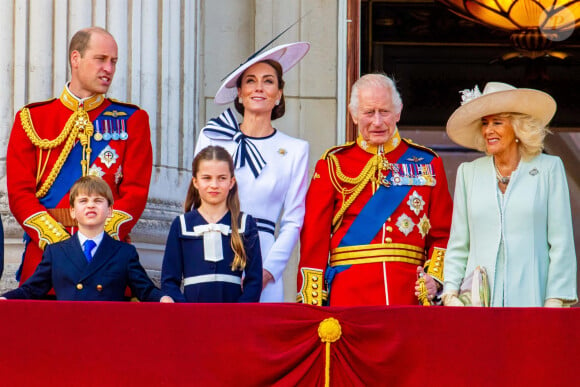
[{"x": 78, "y": 126}]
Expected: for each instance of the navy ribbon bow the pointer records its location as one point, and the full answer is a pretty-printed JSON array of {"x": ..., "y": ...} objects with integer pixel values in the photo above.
[{"x": 225, "y": 127}]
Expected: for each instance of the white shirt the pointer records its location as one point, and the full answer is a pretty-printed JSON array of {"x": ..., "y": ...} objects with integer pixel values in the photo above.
[{"x": 98, "y": 239}]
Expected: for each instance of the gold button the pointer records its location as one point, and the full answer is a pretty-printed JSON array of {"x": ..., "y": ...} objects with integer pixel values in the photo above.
[
  {"x": 389, "y": 229},
  {"x": 389, "y": 240},
  {"x": 388, "y": 220},
  {"x": 100, "y": 288},
  {"x": 435, "y": 269},
  {"x": 314, "y": 286},
  {"x": 314, "y": 302},
  {"x": 80, "y": 286},
  {"x": 314, "y": 278},
  {"x": 314, "y": 294}
]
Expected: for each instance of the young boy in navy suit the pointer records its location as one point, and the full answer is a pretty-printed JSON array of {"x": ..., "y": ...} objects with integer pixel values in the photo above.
[{"x": 90, "y": 265}]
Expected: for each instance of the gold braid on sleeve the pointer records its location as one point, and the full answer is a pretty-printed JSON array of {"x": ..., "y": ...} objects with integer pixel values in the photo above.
[
  {"x": 435, "y": 265},
  {"x": 78, "y": 125},
  {"x": 113, "y": 223}
]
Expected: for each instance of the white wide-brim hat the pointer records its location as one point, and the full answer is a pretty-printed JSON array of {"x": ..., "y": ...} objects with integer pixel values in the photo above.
[
  {"x": 287, "y": 55},
  {"x": 464, "y": 125}
]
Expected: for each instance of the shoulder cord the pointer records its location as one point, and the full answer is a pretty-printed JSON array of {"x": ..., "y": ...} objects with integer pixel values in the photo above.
[
  {"x": 370, "y": 172},
  {"x": 78, "y": 121}
]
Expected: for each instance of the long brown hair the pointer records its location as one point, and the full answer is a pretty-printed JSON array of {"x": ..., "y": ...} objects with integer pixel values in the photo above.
[
  {"x": 193, "y": 200},
  {"x": 279, "y": 109}
]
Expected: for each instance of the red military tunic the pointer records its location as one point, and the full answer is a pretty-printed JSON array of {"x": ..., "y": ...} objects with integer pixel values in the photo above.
[
  {"x": 382, "y": 270},
  {"x": 42, "y": 166}
]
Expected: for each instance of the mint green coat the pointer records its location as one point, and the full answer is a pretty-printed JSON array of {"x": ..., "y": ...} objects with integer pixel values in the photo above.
[{"x": 540, "y": 260}]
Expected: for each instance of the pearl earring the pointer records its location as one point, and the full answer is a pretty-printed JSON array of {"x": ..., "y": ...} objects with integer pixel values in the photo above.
[
  {"x": 277, "y": 102},
  {"x": 239, "y": 99},
  {"x": 517, "y": 140}
]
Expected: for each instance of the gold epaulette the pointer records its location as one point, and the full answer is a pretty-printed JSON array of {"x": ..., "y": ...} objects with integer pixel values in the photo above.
[
  {"x": 115, "y": 221},
  {"x": 410, "y": 142},
  {"x": 434, "y": 266},
  {"x": 124, "y": 103},
  {"x": 337, "y": 148},
  {"x": 312, "y": 291},
  {"x": 48, "y": 229}
]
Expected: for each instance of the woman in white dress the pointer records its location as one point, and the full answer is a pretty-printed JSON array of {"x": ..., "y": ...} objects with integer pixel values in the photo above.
[{"x": 271, "y": 167}]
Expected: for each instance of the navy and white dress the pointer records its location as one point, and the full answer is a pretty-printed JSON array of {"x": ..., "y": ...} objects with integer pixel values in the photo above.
[
  {"x": 272, "y": 176},
  {"x": 200, "y": 255}
]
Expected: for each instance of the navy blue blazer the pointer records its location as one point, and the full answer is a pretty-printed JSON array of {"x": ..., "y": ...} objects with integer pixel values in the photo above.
[{"x": 64, "y": 267}]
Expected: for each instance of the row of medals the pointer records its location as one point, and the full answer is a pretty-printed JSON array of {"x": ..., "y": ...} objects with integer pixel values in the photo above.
[{"x": 119, "y": 134}]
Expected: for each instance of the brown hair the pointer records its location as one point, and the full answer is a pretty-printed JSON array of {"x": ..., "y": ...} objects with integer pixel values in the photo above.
[
  {"x": 279, "y": 109},
  {"x": 91, "y": 185},
  {"x": 80, "y": 40},
  {"x": 193, "y": 200}
]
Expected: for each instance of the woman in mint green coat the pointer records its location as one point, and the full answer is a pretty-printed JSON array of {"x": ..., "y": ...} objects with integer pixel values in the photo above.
[{"x": 512, "y": 224}]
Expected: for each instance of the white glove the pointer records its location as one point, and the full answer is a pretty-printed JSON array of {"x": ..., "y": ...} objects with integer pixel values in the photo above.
[
  {"x": 450, "y": 299},
  {"x": 553, "y": 303}
]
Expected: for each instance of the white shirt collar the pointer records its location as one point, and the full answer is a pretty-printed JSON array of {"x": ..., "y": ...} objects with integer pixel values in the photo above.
[{"x": 98, "y": 239}]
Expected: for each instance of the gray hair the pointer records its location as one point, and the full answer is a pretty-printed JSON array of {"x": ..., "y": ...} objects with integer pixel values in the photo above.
[{"x": 375, "y": 79}]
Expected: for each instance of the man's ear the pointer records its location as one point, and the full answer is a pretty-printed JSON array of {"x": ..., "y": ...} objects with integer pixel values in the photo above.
[
  {"x": 75, "y": 57},
  {"x": 72, "y": 212},
  {"x": 353, "y": 116}
]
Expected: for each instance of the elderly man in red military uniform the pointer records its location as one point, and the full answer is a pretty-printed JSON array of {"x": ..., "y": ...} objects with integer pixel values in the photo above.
[
  {"x": 55, "y": 142},
  {"x": 378, "y": 212}
]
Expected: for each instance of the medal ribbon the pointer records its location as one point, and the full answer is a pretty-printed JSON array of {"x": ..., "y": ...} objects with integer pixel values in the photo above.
[
  {"x": 70, "y": 171},
  {"x": 379, "y": 208}
]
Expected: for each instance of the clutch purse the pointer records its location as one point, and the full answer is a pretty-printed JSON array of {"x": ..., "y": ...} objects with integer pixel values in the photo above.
[{"x": 474, "y": 290}]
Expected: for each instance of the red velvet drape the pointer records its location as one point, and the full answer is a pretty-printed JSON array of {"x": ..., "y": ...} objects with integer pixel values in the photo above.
[{"x": 48, "y": 343}]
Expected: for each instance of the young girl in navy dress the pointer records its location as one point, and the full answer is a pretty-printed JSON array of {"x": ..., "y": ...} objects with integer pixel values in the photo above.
[{"x": 213, "y": 248}]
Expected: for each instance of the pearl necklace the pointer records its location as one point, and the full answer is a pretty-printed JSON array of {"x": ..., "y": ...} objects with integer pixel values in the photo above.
[{"x": 500, "y": 178}]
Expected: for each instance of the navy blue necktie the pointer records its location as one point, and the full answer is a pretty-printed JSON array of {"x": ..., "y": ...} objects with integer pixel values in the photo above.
[{"x": 88, "y": 246}]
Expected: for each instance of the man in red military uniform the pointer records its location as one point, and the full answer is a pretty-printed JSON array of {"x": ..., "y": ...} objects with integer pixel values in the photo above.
[
  {"x": 378, "y": 212},
  {"x": 55, "y": 142}
]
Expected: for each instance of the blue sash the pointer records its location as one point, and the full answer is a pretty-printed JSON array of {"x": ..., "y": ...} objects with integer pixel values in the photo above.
[
  {"x": 71, "y": 170},
  {"x": 382, "y": 204}
]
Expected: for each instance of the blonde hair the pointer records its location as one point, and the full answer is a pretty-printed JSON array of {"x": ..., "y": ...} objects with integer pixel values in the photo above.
[
  {"x": 528, "y": 130},
  {"x": 193, "y": 200}
]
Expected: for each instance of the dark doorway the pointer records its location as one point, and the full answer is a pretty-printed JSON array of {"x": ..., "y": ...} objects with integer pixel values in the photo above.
[{"x": 433, "y": 54}]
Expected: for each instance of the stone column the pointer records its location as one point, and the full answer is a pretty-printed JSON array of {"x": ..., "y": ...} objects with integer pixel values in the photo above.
[{"x": 157, "y": 70}]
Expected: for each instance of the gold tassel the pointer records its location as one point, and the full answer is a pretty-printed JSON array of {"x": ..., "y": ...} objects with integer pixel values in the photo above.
[{"x": 329, "y": 331}]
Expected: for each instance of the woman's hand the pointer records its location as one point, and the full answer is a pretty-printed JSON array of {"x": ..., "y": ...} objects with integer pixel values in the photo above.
[
  {"x": 266, "y": 277},
  {"x": 450, "y": 299}
]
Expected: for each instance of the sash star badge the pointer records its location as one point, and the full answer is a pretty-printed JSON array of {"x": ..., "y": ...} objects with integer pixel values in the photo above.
[
  {"x": 424, "y": 226},
  {"x": 96, "y": 171},
  {"x": 108, "y": 156},
  {"x": 416, "y": 203},
  {"x": 405, "y": 224}
]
